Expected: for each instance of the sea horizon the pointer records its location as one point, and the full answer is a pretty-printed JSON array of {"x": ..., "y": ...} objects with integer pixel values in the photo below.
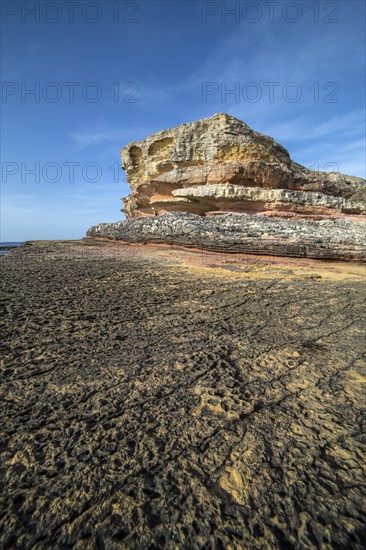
[{"x": 7, "y": 246}]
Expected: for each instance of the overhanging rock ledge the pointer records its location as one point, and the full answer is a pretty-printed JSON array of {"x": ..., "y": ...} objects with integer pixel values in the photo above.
[{"x": 219, "y": 185}]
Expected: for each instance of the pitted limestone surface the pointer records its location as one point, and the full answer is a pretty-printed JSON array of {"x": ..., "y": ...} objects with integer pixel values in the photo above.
[{"x": 145, "y": 405}]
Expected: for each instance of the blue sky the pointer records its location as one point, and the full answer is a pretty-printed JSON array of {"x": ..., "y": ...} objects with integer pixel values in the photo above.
[{"x": 296, "y": 70}]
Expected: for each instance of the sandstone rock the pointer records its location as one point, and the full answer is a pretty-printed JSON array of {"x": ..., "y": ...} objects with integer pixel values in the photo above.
[
  {"x": 254, "y": 199},
  {"x": 218, "y": 184},
  {"x": 223, "y": 150}
]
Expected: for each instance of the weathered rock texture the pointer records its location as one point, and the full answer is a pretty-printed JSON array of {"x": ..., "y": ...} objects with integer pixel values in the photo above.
[
  {"x": 219, "y": 166},
  {"x": 149, "y": 406},
  {"x": 332, "y": 239}
]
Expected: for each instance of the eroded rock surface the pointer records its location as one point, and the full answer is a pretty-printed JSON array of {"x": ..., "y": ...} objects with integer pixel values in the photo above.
[
  {"x": 326, "y": 239},
  {"x": 223, "y": 151},
  {"x": 182, "y": 177},
  {"x": 144, "y": 405}
]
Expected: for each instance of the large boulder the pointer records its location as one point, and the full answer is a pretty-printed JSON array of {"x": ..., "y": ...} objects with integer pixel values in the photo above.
[
  {"x": 221, "y": 151},
  {"x": 219, "y": 185}
]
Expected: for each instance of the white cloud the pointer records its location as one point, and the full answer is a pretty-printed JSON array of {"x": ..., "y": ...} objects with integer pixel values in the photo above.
[{"x": 84, "y": 139}]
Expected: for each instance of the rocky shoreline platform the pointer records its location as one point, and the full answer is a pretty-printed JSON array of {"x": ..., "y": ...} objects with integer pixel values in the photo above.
[
  {"x": 220, "y": 185},
  {"x": 154, "y": 396}
]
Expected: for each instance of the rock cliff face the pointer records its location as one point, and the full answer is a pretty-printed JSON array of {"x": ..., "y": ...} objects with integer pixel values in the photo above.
[
  {"x": 244, "y": 233},
  {"x": 219, "y": 166}
]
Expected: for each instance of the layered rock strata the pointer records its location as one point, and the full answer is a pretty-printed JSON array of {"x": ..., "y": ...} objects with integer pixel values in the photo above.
[
  {"x": 239, "y": 168},
  {"x": 219, "y": 166},
  {"x": 244, "y": 233}
]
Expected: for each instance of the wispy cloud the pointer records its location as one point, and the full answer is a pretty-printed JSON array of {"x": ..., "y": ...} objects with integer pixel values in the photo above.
[
  {"x": 302, "y": 128},
  {"x": 25, "y": 216},
  {"x": 95, "y": 136},
  {"x": 84, "y": 139}
]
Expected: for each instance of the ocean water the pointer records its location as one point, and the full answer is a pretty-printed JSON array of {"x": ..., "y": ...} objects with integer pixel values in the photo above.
[{"x": 5, "y": 248}]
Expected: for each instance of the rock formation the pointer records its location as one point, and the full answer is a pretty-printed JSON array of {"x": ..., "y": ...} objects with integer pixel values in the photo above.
[
  {"x": 219, "y": 166},
  {"x": 244, "y": 233}
]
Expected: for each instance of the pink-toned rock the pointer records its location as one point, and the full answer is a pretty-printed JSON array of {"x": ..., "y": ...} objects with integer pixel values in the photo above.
[
  {"x": 219, "y": 185},
  {"x": 220, "y": 164}
]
